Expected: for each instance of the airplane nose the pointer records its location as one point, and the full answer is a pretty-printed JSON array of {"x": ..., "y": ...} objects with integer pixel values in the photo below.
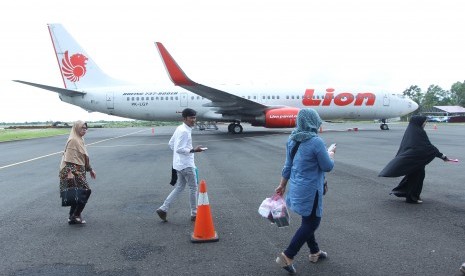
[{"x": 414, "y": 105}]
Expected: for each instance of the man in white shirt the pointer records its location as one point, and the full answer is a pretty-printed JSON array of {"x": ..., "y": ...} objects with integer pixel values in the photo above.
[{"x": 183, "y": 163}]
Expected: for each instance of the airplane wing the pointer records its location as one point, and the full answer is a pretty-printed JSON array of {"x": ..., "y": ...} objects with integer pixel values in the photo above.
[
  {"x": 66, "y": 92},
  {"x": 224, "y": 102}
]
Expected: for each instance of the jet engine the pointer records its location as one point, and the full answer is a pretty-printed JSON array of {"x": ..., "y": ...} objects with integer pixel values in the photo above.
[{"x": 281, "y": 117}]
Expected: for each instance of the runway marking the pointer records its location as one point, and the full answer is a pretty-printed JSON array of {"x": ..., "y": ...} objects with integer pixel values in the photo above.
[
  {"x": 55, "y": 153},
  {"x": 92, "y": 144},
  {"x": 134, "y": 145},
  {"x": 200, "y": 141}
]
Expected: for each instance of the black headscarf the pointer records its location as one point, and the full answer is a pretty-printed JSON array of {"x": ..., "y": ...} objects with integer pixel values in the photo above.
[{"x": 415, "y": 151}]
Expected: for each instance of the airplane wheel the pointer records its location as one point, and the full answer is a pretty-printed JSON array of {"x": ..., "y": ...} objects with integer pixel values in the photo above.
[
  {"x": 230, "y": 127},
  {"x": 237, "y": 129},
  {"x": 384, "y": 127}
]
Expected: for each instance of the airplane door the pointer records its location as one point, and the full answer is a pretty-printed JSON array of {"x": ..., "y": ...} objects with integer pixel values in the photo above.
[
  {"x": 386, "y": 100},
  {"x": 183, "y": 99},
  {"x": 110, "y": 101}
]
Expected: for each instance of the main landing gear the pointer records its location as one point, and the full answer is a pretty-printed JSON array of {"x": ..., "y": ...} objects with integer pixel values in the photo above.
[
  {"x": 383, "y": 125},
  {"x": 235, "y": 128}
]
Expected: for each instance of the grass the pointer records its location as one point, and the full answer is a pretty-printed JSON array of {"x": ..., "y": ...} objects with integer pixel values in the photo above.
[
  {"x": 41, "y": 131},
  {"x": 21, "y": 134}
]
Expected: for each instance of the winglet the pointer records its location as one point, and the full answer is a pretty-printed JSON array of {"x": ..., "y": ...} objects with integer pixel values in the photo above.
[{"x": 177, "y": 76}]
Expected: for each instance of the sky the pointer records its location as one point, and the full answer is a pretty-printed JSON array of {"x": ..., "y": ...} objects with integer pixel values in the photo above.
[{"x": 384, "y": 43}]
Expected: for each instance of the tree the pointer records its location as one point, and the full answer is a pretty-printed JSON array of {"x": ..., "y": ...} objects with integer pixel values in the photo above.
[
  {"x": 444, "y": 96},
  {"x": 414, "y": 93},
  {"x": 458, "y": 93},
  {"x": 432, "y": 97}
]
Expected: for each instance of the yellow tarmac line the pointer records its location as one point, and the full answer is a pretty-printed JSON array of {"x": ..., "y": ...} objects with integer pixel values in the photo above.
[{"x": 59, "y": 152}]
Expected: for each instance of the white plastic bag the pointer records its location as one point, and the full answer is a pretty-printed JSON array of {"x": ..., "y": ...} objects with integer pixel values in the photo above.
[
  {"x": 265, "y": 208},
  {"x": 274, "y": 208}
]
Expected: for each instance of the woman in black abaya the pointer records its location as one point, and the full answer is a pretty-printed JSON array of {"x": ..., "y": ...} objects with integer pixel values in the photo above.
[{"x": 415, "y": 152}]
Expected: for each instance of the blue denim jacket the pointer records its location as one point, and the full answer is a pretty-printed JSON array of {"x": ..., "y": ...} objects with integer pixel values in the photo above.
[{"x": 306, "y": 175}]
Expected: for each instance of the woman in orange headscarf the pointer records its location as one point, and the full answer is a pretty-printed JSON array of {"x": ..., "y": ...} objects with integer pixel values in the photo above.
[{"x": 73, "y": 168}]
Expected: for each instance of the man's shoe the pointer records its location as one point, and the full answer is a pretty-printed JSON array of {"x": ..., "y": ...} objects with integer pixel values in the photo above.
[
  {"x": 162, "y": 214},
  {"x": 318, "y": 256},
  {"x": 462, "y": 268},
  {"x": 193, "y": 218},
  {"x": 286, "y": 263}
]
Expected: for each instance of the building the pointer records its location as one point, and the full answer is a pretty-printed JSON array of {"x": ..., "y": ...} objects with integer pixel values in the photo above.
[{"x": 445, "y": 113}]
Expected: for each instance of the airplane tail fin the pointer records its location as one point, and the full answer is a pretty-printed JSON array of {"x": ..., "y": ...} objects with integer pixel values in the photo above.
[{"x": 78, "y": 69}]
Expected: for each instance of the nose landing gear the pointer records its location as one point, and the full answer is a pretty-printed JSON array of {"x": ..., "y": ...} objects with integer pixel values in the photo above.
[{"x": 383, "y": 125}]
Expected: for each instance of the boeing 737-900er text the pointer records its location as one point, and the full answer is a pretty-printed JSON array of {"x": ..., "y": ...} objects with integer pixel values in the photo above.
[{"x": 87, "y": 86}]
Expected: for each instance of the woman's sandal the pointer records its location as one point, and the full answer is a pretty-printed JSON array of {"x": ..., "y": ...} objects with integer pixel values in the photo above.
[
  {"x": 286, "y": 263},
  {"x": 79, "y": 220},
  {"x": 76, "y": 220}
]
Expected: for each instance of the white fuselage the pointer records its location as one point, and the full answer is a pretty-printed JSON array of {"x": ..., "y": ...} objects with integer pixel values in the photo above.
[{"x": 165, "y": 104}]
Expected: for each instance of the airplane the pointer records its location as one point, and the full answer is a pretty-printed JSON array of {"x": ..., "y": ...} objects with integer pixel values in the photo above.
[{"x": 87, "y": 86}]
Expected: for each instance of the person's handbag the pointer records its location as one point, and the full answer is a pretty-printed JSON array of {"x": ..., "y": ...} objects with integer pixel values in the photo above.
[{"x": 73, "y": 195}]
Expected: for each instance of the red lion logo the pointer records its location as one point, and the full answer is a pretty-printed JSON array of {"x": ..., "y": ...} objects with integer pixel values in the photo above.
[{"x": 75, "y": 67}]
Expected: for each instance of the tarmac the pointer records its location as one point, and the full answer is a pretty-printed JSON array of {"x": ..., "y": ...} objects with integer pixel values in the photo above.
[{"x": 364, "y": 230}]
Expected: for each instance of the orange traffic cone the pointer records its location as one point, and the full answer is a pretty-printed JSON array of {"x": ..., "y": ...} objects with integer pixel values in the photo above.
[{"x": 204, "y": 231}]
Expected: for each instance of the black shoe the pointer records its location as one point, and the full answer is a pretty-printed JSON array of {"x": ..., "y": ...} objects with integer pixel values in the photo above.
[
  {"x": 76, "y": 220},
  {"x": 418, "y": 201},
  {"x": 162, "y": 215}
]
